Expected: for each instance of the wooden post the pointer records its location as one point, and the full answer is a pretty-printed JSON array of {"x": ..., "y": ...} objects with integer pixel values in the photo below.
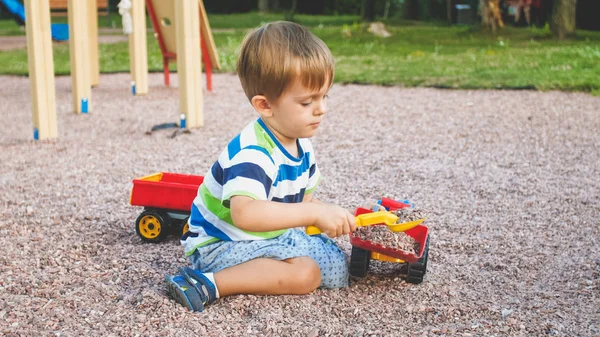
[
  {"x": 138, "y": 53},
  {"x": 187, "y": 25},
  {"x": 41, "y": 69},
  {"x": 79, "y": 56},
  {"x": 93, "y": 42}
]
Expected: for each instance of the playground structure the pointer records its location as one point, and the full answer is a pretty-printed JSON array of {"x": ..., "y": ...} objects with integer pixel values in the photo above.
[
  {"x": 184, "y": 45},
  {"x": 60, "y": 31},
  {"x": 161, "y": 15},
  {"x": 60, "y": 7}
]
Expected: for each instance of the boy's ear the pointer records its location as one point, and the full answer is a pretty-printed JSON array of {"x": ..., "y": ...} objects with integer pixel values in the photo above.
[{"x": 262, "y": 105}]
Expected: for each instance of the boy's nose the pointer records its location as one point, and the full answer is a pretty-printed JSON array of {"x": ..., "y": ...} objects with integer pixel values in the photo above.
[{"x": 321, "y": 109}]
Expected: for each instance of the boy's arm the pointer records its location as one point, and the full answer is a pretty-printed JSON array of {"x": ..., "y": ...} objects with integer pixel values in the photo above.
[{"x": 263, "y": 216}]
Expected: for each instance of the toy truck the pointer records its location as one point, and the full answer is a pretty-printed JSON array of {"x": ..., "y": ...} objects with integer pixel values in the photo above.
[
  {"x": 167, "y": 199},
  {"x": 363, "y": 251}
]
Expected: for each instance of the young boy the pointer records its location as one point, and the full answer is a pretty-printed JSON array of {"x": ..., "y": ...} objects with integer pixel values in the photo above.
[{"x": 246, "y": 226}]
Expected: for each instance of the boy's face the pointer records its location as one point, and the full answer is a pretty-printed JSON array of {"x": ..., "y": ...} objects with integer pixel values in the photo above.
[{"x": 298, "y": 112}]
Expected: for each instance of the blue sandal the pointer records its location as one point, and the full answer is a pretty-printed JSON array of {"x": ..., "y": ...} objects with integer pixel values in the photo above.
[
  {"x": 183, "y": 293},
  {"x": 201, "y": 283}
]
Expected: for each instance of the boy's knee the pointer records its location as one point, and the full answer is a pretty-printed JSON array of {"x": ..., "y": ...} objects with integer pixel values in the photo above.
[
  {"x": 335, "y": 272},
  {"x": 308, "y": 275}
]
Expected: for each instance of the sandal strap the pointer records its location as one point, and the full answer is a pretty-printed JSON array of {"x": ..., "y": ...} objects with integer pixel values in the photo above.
[
  {"x": 201, "y": 283},
  {"x": 181, "y": 291}
]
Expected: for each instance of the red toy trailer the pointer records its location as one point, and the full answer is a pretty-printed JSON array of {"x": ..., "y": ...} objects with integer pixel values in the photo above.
[{"x": 167, "y": 199}]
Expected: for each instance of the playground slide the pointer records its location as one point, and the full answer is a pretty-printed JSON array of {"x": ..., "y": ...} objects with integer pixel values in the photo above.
[{"x": 60, "y": 31}]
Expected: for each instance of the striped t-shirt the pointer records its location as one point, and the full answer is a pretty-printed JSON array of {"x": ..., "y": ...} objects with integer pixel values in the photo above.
[{"x": 254, "y": 164}]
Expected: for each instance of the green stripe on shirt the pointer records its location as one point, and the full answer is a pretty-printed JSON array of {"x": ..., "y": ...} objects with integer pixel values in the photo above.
[
  {"x": 263, "y": 139},
  {"x": 215, "y": 206}
]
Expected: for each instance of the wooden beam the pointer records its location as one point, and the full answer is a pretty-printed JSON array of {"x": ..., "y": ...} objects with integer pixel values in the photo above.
[
  {"x": 79, "y": 56},
  {"x": 41, "y": 69},
  {"x": 138, "y": 53},
  {"x": 187, "y": 25},
  {"x": 93, "y": 42}
]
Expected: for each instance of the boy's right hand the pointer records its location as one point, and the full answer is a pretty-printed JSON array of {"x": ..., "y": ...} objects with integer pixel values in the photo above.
[{"x": 334, "y": 220}]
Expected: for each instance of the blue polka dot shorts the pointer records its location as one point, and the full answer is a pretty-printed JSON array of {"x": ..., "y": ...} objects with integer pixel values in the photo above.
[{"x": 293, "y": 243}]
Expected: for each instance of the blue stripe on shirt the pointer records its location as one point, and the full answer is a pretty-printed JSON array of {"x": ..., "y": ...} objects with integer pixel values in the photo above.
[
  {"x": 288, "y": 172},
  {"x": 292, "y": 198},
  {"x": 261, "y": 149},
  {"x": 234, "y": 147},
  {"x": 250, "y": 171},
  {"x": 198, "y": 220},
  {"x": 217, "y": 172}
]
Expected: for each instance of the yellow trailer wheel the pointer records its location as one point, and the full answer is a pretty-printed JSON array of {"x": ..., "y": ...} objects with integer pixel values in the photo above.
[
  {"x": 151, "y": 226},
  {"x": 186, "y": 227}
]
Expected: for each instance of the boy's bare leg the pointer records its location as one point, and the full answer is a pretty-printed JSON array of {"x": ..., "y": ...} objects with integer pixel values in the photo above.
[{"x": 264, "y": 276}]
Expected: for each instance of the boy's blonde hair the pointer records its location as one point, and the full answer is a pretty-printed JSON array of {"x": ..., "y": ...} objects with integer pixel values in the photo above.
[{"x": 277, "y": 53}]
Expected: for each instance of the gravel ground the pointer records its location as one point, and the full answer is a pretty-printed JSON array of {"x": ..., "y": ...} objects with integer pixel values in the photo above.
[{"x": 511, "y": 180}]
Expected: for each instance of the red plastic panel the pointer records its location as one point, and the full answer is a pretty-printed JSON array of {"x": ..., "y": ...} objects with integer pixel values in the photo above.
[{"x": 174, "y": 191}]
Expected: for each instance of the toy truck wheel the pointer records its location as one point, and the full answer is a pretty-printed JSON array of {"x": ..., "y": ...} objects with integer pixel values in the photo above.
[
  {"x": 359, "y": 262},
  {"x": 185, "y": 227},
  {"x": 417, "y": 270},
  {"x": 152, "y": 226}
]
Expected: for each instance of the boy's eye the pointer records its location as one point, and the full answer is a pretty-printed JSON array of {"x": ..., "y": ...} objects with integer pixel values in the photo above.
[{"x": 309, "y": 103}]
